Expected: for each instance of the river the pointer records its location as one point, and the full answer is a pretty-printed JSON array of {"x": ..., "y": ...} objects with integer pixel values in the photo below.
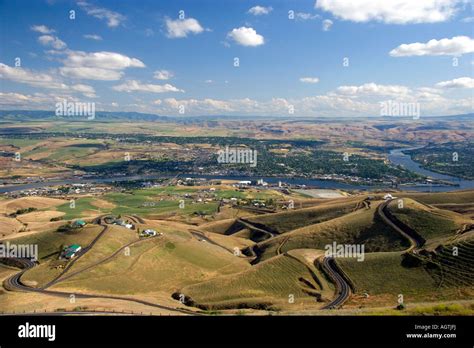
[{"x": 396, "y": 157}]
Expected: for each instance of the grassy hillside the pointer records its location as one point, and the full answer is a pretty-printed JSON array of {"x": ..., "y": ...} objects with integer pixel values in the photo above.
[
  {"x": 251, "y": 226},
  {"x": 113, "y": 239},
  {"x": 12, "y": 205},
  {"x": 383, "y": 276},
  {"x": 441, "y": 197},
  {"x": 83, "y": 207},
  {"x": 218, "y": 226},
  {"x": 430, "y": 223},
  {"x": 161, "y": 264},
  {"x": 360, "y": 227},
  {"x": 455, "y": 262},
  {"x": 425, "y": 276},
  {"x": 383, "y": 273},
  {"x": 291, "y": 220},
  {"x": 9, "y": 226},
  {"x": 50, "y": 243},
  {"x": 267, "y": 285},
  {"x": 143, "y": 202}
]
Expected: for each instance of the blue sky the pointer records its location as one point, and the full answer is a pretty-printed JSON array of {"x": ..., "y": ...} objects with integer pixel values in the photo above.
[{"x": 141, "y": 56}]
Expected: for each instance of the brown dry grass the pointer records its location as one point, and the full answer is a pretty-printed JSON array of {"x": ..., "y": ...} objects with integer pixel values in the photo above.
[
  {"x": 39, "y": 216},
  {"x": 19, "y": 302},
  {"x": 11, "y": 206},
  {"x": 9, "y": 226}
]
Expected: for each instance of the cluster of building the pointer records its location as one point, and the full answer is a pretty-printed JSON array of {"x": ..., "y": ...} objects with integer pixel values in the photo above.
[
  {"x": 119, "y": 222},
  {"x": 124, "y": 224},
  {"x": 60, "y": 191}
]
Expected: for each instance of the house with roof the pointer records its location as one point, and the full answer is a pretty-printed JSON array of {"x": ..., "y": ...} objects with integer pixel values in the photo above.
[
  {"x": 123, "y": 224},
  {"x": 71, "y": 251},
  {"x": 79, "y": 223},
  {"x": 149, "y": 233}
]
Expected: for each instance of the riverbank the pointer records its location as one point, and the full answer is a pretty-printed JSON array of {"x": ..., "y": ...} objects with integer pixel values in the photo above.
[
  {"x": 396, "y": 157},
  {"x": 399, "y": 157}
]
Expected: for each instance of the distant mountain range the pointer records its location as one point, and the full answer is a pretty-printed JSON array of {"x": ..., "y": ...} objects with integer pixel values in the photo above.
[{"x": 34, "y": 115}]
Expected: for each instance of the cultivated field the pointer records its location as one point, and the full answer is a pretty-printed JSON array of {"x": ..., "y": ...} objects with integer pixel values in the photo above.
[{"x": 230, "y": 261}]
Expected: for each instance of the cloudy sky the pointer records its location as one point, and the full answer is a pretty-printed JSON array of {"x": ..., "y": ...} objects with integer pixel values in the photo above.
[{"x": 210, "y": 57}]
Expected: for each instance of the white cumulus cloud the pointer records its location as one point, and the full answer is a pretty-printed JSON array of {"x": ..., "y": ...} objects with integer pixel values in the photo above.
[
  {"x": 42, "y": 80},
  {"x": 91, "y": 73},
  {"x": 114, "y": 19},
  {"x": 462, "y": 82},
  {"x": 86, "y": 90},
  {"x": 53, "y": 41},
  {"x": 246, "y": 36},
  {"x": 29, "y": 77},
  {"x": 136, "y": 86},
  {"x": 180, "y": 28},
  {"x": 373, "y": 89},
  {"x": 163, "y": 74},
  {"x": 105, "y": 66},
  {"x": 103, "y": 59},
  {"x": 43, "y": 29},
  {"x": 260, "y": 10},
  {"x": 455, "y": 46},
  {"x": 327, "y": 24},
  {"x": 392, "y": 11}
]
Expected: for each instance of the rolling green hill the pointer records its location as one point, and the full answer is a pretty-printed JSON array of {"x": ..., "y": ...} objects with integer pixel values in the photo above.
[
  {"x": 268, "y": 285},
  {"x": 360, "y": 227},
  {"x": 157, "y": 265},
  {"x": 291, "y": 220},
  {"x": 432, "y": 224},
  {"x": 455, "y": 262}
]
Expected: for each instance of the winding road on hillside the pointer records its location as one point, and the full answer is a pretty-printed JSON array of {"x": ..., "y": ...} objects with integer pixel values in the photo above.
[
  {"x": 413, "y": 238},
  {"x": 251, "y": 226},
  {"x": 108, "y": 258},
  {"x": 199, "y": 235},
  {"x": 74, "y": 260},
  {"x": 343, "y": 288},
  {"x": 14, "y": 282}
]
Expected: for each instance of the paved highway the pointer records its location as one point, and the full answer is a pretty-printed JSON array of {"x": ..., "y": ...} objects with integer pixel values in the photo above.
[
  {"x": 415, "y": 241},
  {"x": 14, "y": 282},
  {"x": 343, "y": 289}
]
